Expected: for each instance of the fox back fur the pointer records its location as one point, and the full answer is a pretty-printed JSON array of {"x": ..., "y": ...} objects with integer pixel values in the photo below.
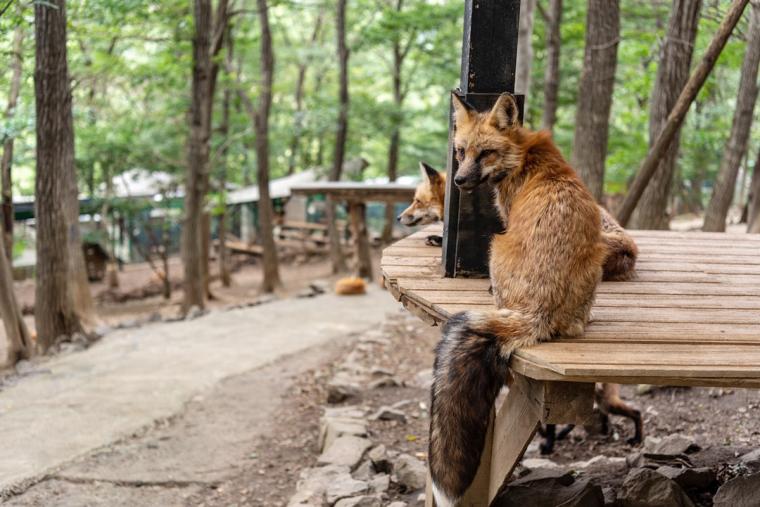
[{"x": 544, "y": 272}]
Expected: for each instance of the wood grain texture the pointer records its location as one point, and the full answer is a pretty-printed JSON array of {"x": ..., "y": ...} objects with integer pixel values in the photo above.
[{"x": 690, "y": 317}]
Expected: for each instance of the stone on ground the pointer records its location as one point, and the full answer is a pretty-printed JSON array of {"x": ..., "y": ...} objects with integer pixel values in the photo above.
[
  {"x": 550, "y": 488},
  {"x": 346, "y": 451},
  {"x": 388, "y": 414},
  {"x": 646, "y": 488},
  {"x": 344, "y": 486},
  {"x": 410, "y": 472},
  {"x": 739, "y": 492},
  {"x": 313, "y": 483},
  {"x": 332, "y": 428},
  {"x": 360, "y": 501},
  {"x": 699, "y": 479}
]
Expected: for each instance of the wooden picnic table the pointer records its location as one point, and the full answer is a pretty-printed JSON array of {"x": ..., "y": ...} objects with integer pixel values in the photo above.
[
  {"x": 356, "y": 195},
  {"x": 691, "y": 317}
]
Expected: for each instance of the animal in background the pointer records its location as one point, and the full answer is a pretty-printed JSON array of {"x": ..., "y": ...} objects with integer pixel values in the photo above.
[
  {"x": 427, "y": 206},
  {"x": 544, "y": 271}
]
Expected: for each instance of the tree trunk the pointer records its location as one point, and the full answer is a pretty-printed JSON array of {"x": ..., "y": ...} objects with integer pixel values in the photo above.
[
  {"x": 672, "y": 74},
  {"x": 224, "y": 129},
  {"x": 551, "y": 74},
  {"x": 7, "y": 161},
  {"x": 54, "y": 313},
  {"x": 736, "y": 146},
  {"x": 595, "y": 93},
  {"x": 300, "y": 85},
  {"x": 753, "y": 218},
  {"x": 271, "y": 279},
  {"x": 524, "y": 49},
  {"x": 336, "y": 255},
  {"x": 677, "y": 115},
  {"x": 205, "y": 252},
  {"x": 395, "y": 139},
  {"x": 19, "y": 341},
  {"x": 198, "y": 157}
]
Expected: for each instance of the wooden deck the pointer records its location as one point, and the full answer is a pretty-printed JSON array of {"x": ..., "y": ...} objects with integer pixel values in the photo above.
[{"x": 690, "y": 317}]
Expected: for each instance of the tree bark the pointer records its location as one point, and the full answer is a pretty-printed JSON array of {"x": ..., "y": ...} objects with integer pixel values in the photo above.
[
  {"x": 736, "y": 145},
  {"x": 224, "y": 129},
  {"x": 300, "y": 85},
  {"x": 672, "y": 74},
  {"x": 753, "y": 217},
  {"x": 595, "y": 93},
  {"x": 551, "y": 73},
  {"x": 7, "y": 161},
  {"x": 524, "y": 49},
  {"x": 675, "y": 118},
  {"x": 271, "y": 280},
  {"x": 336, "y": 255},
  {"x": 394, "y": 145},
  {"x": 54, "y": 312},
  {"x": 20, "y": 344},
  {"x": 198, "y": 157}
]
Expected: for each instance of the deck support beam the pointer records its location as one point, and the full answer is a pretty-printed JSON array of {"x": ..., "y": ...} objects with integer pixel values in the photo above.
[{"x": 528, "y": 404}]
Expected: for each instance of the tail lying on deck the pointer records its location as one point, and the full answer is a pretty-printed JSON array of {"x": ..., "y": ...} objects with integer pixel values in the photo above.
[
  {"x": 470, "y": 368},
  {"x": 621, "y": 257}
]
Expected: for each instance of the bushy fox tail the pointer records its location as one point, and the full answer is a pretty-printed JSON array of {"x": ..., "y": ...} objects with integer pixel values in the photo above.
[
  {"x": 621, "y": 256},
  {"x": 470, "y": 368}
]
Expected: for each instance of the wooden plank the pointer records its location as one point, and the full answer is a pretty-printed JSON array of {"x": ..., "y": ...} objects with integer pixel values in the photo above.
[{"x": 528, "y": 368}]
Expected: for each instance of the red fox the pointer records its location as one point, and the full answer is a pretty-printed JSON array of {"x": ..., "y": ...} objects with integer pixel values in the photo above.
[
  {"x": 619, "y": 264},
  {"x": 544, "y": 272}
]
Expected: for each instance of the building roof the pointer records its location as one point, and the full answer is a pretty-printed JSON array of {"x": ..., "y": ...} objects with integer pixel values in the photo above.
[{"x": 278, "y": 188}]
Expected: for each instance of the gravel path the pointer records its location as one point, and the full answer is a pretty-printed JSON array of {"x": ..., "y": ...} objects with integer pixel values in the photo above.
[{"x": 73, "y": 404}]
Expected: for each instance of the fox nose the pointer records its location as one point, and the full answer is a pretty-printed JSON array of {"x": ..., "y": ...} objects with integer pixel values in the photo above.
[
  {"x": 459, "y": 179},
  {"x": 398, "y": 218}
]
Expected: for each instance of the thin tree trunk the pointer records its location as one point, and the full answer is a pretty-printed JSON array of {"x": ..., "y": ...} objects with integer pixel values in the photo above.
[
  {"x": 19, "y": 341},
  {"x": 198, "y": 157},
  {"x": 672, "y": 74},
  {"x": 678, "y": 113},
  {"x": 395, "y": 140},
  {"x": 224, "y": 129},
  {"x": 54, "y": 312},
  {"x": 753, "y": 217},
  {"x": 7, "y": 161},
  {"x": 551, "y": 74},
  {"x": 595, "y": 93},
  {"x": 300, "y": 85},
  {"x": 736, "y": 146},
  {"x": 524, "y": 48},
  {"x": 336, "y": 255},
  {"x": 271, "y": 279}
]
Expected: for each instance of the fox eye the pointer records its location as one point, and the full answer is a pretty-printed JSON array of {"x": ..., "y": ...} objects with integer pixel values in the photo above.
[
  {"x": 485, "y": 153},
  {"x": 460, "y": 153}
]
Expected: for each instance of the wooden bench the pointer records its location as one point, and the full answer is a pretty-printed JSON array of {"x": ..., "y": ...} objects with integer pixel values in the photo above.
[{"x": 691, "y": 317}]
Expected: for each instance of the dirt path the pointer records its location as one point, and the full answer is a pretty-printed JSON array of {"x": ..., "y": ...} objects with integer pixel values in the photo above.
[{"x": 73, "y": 404}]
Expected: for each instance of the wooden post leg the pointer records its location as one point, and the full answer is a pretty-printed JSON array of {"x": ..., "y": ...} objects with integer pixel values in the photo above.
[
  {"x": 528, "y": 404},
  {"x": 357, "y": 210}
]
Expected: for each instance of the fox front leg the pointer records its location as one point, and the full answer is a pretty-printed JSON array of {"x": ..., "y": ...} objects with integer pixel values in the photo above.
[{"x": 434, "y": 240}]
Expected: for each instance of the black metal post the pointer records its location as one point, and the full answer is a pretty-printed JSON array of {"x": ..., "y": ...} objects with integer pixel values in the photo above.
[{"x": 489, "y": 54}]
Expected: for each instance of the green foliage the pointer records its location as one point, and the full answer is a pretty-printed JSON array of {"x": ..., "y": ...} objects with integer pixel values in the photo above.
[{"x": 130, "y": 64}]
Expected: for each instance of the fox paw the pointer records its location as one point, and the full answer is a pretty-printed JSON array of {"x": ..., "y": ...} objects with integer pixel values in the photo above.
[
  {"x": 434, "y": 241},
  {"x": 634, "y": 441}
]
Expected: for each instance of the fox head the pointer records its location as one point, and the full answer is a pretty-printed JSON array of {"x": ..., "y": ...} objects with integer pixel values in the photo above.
[
  {"x": 485, "y": 143},
  {"x": 427, "y": 207}
]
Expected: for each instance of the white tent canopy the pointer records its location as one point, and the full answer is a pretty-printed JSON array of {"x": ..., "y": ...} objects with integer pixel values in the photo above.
[{"x": 278, "y": 188}]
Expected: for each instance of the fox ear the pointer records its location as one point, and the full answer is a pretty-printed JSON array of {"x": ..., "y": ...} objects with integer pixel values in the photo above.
[
  {"x": 504, "y": 114},
  {"x": 429, "y": 172},
  {"x": 463, "y": 112}
]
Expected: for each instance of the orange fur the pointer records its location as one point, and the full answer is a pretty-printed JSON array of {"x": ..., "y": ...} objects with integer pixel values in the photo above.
[
  {"x": 350, "y": 286},
  {"x": 544, "y": 272},
  {"x": 427, "y": 207}
]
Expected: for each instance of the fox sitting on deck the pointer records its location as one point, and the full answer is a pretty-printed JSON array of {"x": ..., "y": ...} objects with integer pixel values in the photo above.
[
  {"x": 544, "y": 273},
  {"x": 427, "y": 208}
]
